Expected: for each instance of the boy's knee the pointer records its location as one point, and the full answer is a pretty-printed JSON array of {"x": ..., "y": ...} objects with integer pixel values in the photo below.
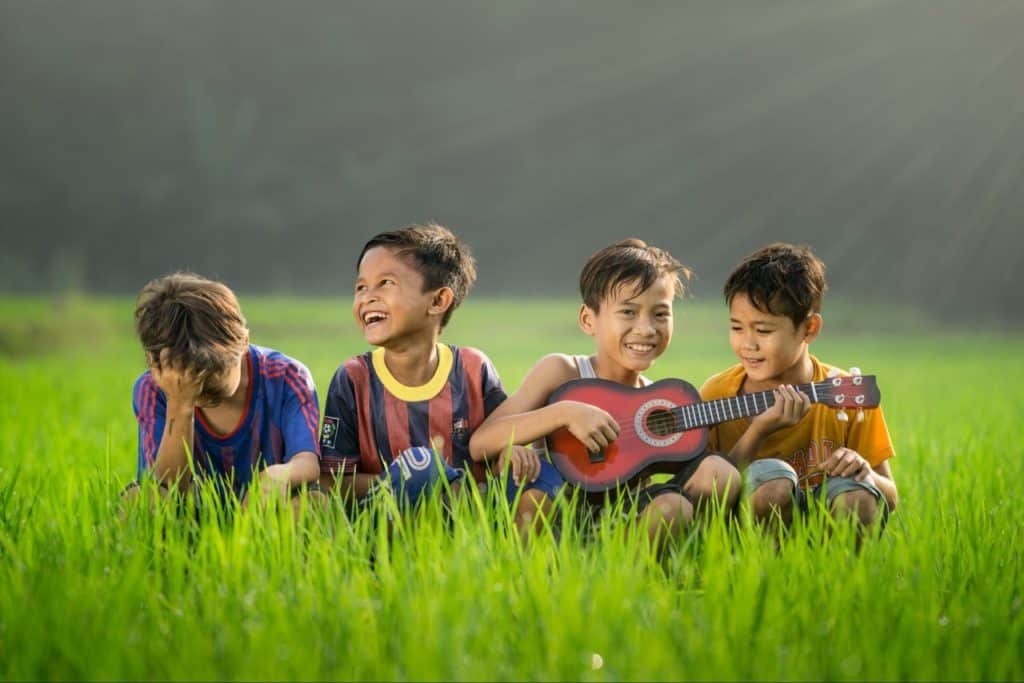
[
  {"x": 772, "y": 495},
  {"x": 534, "y": 506},
  {"x": 131, "y": 492},
  {"x": 533, "y": 502},
  {"x": 715, "y": 478},
  {"x": 671, "y": 509},
  {"x": 861, "y": 504}
]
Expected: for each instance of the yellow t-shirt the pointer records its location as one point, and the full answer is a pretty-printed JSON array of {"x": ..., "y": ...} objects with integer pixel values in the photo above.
[{"x": 808, "y": 443}]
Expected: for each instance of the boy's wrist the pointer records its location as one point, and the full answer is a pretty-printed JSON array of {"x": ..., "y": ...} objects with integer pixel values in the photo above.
[
  {"x": 180, "y": 407},
  {"x": 757, "y": 432},
  {"x": 563, "y": 413}
]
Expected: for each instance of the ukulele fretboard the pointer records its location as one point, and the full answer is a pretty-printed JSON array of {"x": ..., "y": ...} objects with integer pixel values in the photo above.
[{"x": 707, "y": 413}]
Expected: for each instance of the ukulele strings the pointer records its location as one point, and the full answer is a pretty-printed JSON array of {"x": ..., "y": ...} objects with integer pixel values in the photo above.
[{"x": 672, "y": 420}]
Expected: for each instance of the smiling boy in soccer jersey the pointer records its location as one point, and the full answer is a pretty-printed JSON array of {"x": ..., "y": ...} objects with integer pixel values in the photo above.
[
  {"x": 388, "y": 409},
  {"x": 628, "y": 290},
  {"x": 794, "y": 449},
  {"x": 241, "y": 411}
]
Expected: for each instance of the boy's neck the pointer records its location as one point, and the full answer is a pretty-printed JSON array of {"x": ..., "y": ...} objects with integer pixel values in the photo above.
[
  {"x": 226, "y": 416},
  {"x": 413, "y": 363},
  {"x": 238, "y": 398},
  {"x": 801, "y": 372},
  {"x": 614, "y": 373}
]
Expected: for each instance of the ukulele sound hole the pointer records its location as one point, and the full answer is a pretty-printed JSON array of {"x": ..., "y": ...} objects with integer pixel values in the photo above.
[{"x": 661, "y": 422}]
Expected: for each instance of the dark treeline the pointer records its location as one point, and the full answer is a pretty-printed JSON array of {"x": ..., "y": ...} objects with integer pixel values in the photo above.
[{"x": 263, "y": 142}]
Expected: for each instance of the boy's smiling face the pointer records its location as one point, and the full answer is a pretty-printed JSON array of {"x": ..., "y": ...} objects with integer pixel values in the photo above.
[
  {"x": 389, "y": 302},
  {"x": 632, "y": 328},
  {"x": 772, "y": 349}
]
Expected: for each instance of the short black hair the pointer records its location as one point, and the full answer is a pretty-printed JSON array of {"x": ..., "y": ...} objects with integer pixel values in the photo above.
[
  {"x": 781, "y": 279},
  {"x": 436, "y": 253},
  {"x": 627, "y": 261}
]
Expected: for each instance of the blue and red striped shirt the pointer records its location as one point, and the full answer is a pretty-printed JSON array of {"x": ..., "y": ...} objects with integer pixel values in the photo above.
[
  {"x": 281, "y": 418},
  {"x": 370, "y": 417}
]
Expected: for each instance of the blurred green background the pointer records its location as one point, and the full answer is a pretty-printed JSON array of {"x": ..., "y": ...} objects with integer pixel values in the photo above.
[{"x": 263, "y": 142}]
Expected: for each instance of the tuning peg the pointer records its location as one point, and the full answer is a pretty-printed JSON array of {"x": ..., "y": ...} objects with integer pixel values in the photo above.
[
  {"x": 860, "y": 414},
  {"x": 855, "y": 371},
  {"x": 842, "y": 416}
]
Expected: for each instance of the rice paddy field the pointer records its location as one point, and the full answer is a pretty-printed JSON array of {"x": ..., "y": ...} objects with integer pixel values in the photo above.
[{"x": 88, "y": 595}]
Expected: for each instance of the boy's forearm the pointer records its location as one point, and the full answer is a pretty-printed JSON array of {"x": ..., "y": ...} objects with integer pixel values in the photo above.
[
  {"x": 304, "y": 467},
  {"x": 746, "y": 447},
  {"x": 171, "y": 463},
  {"x": 888, "y": 488},
  {"x": 492, "y": 438}
]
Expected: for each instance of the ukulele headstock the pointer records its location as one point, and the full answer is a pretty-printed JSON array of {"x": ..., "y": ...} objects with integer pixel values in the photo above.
[{"x": 849, "y": 391}]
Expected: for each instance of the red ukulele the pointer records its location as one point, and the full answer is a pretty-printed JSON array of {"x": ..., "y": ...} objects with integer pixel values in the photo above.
[{"x": 666, "y": 424}]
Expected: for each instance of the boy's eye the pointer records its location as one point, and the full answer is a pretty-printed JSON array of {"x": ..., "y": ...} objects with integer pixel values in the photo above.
[
  {"x": 764, "y": 331},
  {"x": 360, "y": 288},
  {"x": 387, "y": 281},
  {"x": 626, "y": 312}
]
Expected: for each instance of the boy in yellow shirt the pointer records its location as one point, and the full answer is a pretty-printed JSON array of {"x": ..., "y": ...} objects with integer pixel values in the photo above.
[{"x": 794, "y": 449}]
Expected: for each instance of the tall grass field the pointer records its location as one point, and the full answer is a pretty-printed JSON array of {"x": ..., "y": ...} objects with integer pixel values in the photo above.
[{"x": 257, "y": 595}]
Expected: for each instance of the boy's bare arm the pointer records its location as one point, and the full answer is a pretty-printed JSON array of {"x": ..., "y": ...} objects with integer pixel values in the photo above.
[
  {"x": 303, "y": 467},
  {"x": 846, "y": 462},
  {"x": 881, "y": 477},
  {"x": 524, "y": 417},
  {"x": 182, "y": 389}
]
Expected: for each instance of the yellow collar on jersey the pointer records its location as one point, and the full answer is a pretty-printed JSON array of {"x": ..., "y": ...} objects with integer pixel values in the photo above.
[{"x": 424, "y": 392}]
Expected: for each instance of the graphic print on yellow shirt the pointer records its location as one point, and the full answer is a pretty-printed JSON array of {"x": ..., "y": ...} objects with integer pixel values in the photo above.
[{"x": 809, "y": 443}]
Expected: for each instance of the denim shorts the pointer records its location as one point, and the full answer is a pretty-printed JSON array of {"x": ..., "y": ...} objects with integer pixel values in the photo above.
[
  {"x": 762, "y": 471},
  {"x": 549, "y": 481}
]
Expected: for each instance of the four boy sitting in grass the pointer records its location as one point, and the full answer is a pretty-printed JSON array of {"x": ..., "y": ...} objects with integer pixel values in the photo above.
[{"x": 414, "y": 414}]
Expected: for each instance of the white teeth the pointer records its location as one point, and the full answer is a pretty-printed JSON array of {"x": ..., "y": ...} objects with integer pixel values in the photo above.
[
  {"x": 640, "y": 348},
  {"x": 373, "y": 317}
]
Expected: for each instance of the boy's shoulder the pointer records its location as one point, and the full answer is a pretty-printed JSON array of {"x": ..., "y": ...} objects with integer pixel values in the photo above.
[
  {"x": 723, "y": 384},
  {"x": 470, "y": 355},
  {"x": 553, "y": 370},
  {"x": 354, "y": 363},
  {"x": 145, "y": 392},
  {"x": 268, "y": 356},
  {"x": 823, "y": 371},
  {"x": 271, "y": 364}
]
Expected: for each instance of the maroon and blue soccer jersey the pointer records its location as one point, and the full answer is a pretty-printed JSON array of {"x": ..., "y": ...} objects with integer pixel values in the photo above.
[
  {"x": 281, "y": 418},
  {"x": 370, "y": 417}
]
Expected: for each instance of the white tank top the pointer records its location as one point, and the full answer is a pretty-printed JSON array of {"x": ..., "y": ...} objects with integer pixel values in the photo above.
[{"x": 586, "y": 369}]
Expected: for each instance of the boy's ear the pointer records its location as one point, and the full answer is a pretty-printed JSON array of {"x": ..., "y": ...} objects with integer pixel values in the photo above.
[
  {"x": 814, "y": 323},
  {"x": 441, "y": 301},
  {"x": 586, "y": 319}
]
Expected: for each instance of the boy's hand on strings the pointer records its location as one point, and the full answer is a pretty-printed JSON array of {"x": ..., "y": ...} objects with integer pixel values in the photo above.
[
  {"x": 524, "y": 461},
  {"x": 180, "y": 385},
  {"x": 846, "y": 462},
  {"x": 595, "y": 428},
  {"x": 791, "y": 405}
]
